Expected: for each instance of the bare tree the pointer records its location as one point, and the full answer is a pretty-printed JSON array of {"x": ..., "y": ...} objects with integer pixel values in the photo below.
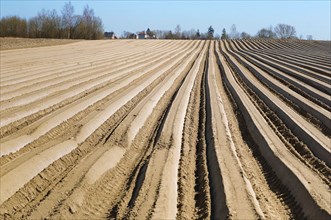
[
  {"x": 90, "y": 27},
  {"x": 234, "y": 34},
  {"x": 224, "y": 35},
  {"x": 160, "y": 34},
  {"x": 48, "y": 24},
  {"x": 245, "y": 35},
  {"x": 177, "y": 33},
  {"x": 13, "y": 26},
  {"x": 88, "y": 16},
  {"x": 126, "y": 34},
  {"x": 266, "y": 33},
  {"x": 309, "y": 37},
  {"x": 169, "y": 35},
  {"x": 34, "y": 27},
  {"x": 185, "y": 35},
  {"x": 86, "y": 26},
  {"x": 77, "y": 30},
  {"x": 67, "y": 18},
  {"x": 191, "y": 34},
  {"x": 285, "y": 31},
  {"x": 197, "y": 35}
]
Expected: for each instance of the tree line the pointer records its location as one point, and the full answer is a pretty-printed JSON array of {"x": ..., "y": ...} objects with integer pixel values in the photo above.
[
  {"x": 176, "y": 34},
  {"x": 281, "y": 31},
  {"x": 49, "y": 24},
  {"x": 68, "y": 25}
]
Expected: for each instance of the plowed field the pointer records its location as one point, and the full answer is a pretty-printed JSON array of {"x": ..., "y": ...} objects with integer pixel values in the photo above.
[{"x": 157, "y": 129}]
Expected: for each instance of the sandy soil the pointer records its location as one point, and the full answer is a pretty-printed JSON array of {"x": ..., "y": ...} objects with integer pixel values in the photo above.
[
  {"x": 9, "y": 43},
  {"x": 164, "y": 129}
]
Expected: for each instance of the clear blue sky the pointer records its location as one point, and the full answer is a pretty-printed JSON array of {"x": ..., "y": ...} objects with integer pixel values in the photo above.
[{"x": 308, "y": 17}]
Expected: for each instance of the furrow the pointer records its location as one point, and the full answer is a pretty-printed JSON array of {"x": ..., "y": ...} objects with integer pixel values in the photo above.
[
  {"x": 291, "y": 172},
  {"x": 314, "y": 139}
]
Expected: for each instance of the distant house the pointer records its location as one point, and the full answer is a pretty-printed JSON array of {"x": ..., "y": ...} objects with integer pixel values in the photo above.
[
  {"x": 110, "y": 35},
  {"x": 142, "y": 35}
]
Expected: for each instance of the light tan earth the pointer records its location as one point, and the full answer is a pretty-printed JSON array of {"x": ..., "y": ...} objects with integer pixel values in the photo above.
[
  {"x": 161, "y": 129},
  {"x": 10, "y": 43}
]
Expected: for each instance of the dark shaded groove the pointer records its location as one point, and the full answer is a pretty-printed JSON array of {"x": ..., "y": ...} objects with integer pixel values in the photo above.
[
  {"x": 282, "y": 68},
  {"x": 139, "y": 172},
  {"x": 276, "y": 186},
  {"x": 292, "y": 142},
  {"x": 142, "y": 172},
  {"x": 219, "y": 209},
  {"x": 295, "y": 106},
  {"x": 287, "y": 83},
  {"x": 201, "y": 172},
  {"x": 273, "y": 181}
]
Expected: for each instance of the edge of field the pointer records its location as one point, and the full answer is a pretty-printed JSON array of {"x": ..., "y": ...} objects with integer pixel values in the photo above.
[{"x": 11, "y": 43}]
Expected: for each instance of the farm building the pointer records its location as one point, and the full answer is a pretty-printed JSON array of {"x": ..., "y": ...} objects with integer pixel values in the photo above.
[
  {"x": 110, "y": 35},
  {"x": 142, "y": 35}
]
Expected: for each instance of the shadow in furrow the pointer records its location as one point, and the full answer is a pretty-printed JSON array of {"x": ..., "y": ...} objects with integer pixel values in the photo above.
[
  {"x": 219, "y": 209},
  {"x": 275, "y": 184},
  {"x": 201, "y": 171},
  {"x": 141, "y": 170},
  {"x": 290, "y": 140},
  {"x": 140, "y": 177}
]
